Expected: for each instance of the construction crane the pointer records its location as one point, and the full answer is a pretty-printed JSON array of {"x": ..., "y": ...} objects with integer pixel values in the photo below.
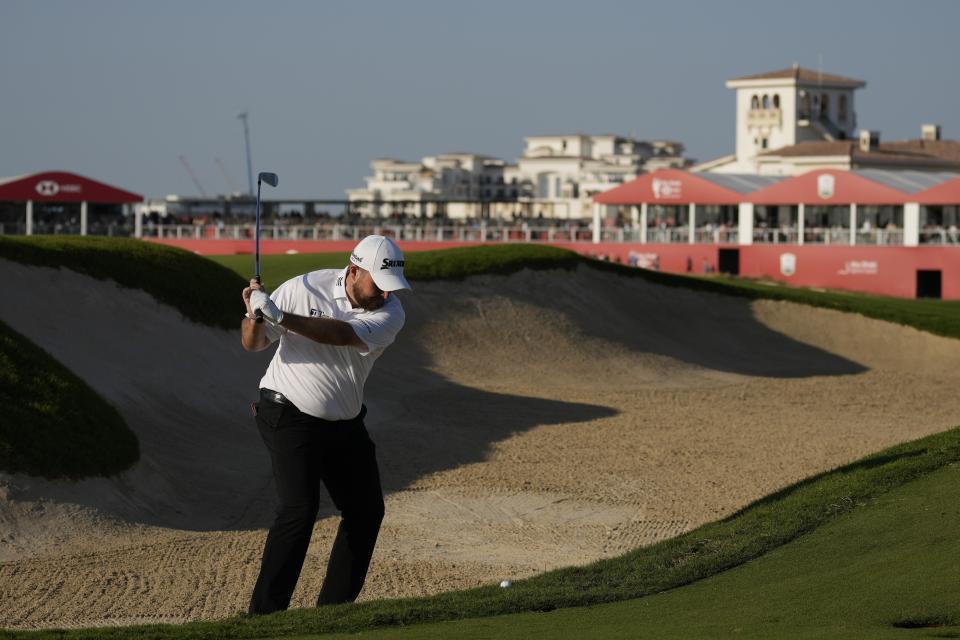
[
  {"x": 193, "y": 176},
  {"x": 223, "y": 170},
  {"x": 246, "y": 136}
]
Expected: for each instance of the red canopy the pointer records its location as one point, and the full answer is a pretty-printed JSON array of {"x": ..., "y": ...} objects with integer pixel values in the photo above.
[
  {"x": 60, "y": 186},
  {"x": 944, "y": 193},
  {"x": 829, "y": 187},
  {"x": 669, "y": 186}
]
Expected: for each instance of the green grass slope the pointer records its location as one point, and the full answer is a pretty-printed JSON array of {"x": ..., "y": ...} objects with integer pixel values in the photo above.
[
  {"x": 441, "y": 264},
  {"x": 941, "y": 317},
  {"x": 201, "y": 290},
  {"x": 761, "y": 528},
  {"x": 54, "y": 425},
  {"x": 888, "y": 569}
]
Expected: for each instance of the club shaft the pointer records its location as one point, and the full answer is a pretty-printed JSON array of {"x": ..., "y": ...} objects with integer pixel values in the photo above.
[{"x": 257, "y": 251}]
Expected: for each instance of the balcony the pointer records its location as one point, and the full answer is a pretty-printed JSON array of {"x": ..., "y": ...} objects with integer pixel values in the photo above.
[{"x": 764, "y": 118}]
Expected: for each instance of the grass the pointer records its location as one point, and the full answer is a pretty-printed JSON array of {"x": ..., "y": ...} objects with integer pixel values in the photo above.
[
  {"x": 819, "y": 503},
  {"x": 441, "y": 264},
  {"x": 206, "y": 290},
  {"x": 53, "y": 424},
  {"x": 201, "y": 290},
  {"x": 940, "y": 317},
  {"x": 890, "y": 565}
]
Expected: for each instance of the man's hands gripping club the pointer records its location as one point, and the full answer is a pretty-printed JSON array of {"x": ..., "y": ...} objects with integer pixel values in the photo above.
[
  {"x": 260, "y": 301},
  {"x": 324, "y": 330},
  {"x": 256, "y": 299}
]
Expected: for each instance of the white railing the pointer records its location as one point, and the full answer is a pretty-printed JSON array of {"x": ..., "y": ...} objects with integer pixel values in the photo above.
[
  {"x": 415, "y": 233},
  {"x": 706, "y": 235},
  {"x": 668, "y": 235},
  {"x": 775, "y": 236},
  {"x": 491, "y": 232},
  {"x": 880, "y": 237},
  {"x": 950, "y": 236},
  {"x": 826, "y": 235}
]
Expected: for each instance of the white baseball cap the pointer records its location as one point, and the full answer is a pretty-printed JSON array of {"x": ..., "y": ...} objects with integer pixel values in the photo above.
[{"x": 383, "y": 259}]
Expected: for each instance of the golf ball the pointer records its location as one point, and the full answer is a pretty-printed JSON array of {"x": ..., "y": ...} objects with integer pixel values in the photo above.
[{"x": 506, "y": 583}]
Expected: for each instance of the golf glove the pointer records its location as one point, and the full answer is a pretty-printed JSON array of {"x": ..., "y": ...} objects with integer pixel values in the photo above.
[{"x": 260, "y": 301}]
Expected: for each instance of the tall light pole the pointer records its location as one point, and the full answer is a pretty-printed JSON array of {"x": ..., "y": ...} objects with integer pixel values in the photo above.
[{"x": 246, "y": 137}]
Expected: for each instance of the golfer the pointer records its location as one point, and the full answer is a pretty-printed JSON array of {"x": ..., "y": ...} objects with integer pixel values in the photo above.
[{"x": 332, "y": 324}]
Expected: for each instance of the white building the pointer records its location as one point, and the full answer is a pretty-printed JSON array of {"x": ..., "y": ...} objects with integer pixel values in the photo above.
[
  {"x": 796, "y": 120},
  {"x": 562, "y": 173},
  {"x": 555, "y": 178},
  {"x": 431, "y": 186}
]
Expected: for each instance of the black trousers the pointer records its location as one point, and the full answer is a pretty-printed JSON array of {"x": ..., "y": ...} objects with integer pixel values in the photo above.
[{"x": 305, "y": 452}]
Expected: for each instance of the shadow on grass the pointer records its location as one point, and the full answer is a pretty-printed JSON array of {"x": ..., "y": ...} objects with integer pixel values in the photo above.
[{"x": 861, "y": 465}]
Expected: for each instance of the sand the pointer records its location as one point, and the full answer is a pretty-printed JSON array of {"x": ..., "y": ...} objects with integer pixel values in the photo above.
[{"x": 523, "y": 423}]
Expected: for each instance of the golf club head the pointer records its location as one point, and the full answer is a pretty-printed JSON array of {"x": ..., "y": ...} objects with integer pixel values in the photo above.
[{"x": 270, "y": 178}]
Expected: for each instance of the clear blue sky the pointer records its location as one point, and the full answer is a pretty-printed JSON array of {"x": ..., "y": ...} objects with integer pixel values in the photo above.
[{"x": 117, "y": 90}]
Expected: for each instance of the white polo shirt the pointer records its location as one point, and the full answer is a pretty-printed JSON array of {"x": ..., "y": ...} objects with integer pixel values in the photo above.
[{"x": 320, "y": 379}]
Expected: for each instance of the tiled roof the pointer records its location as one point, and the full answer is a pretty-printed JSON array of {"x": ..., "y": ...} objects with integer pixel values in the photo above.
[
  {"x": 945, "y": 153},
  {"x": 803, "y": 75}
]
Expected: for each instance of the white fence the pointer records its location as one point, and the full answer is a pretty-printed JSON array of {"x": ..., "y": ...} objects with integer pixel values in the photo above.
[{"x": 483, "y": 232}]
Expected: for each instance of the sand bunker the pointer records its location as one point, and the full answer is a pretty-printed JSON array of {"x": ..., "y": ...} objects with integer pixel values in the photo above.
[{"x": 523, "y": 423}]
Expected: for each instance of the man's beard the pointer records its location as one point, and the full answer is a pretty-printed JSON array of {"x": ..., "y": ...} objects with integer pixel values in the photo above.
[{"x": 368, "y": 304}]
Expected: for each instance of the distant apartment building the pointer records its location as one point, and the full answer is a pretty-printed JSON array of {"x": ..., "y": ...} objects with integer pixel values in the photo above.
[
  {"x": 555, "y": 178},
  {"x": 795, "y": 120}
]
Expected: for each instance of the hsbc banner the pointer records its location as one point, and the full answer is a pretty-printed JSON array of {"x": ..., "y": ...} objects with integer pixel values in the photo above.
[
  {"x": 52, "y": 188},
  {"x": 62, "y": 186}
]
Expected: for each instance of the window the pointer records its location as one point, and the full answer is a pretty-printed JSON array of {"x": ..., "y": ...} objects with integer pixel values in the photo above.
[
  {"x": 776, "y": 101},
  {"x": 766, "y": 102},
  {"x": 764, "y": 143},
  {"x": 842, "y": 108},
  {"x": 754, "y": 103},
  {"x": 824, "y": 104}
]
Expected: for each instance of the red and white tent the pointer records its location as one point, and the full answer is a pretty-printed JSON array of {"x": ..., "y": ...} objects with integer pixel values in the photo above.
[
  {"x": 828, "y": 187},
  {"x": 61, "y": 186},
  {"x": 945, "y": 193},
  {"x": 670, "y": 187}
]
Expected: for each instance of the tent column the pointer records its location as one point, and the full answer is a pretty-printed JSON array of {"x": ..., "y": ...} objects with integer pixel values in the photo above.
[
  {"x": 911, "y": 224},
  {"x": 745, "y": 223},
  {"x": 137, "y": 221},
  {"x": 692, "y": 208},
  {"x": 596, "y": 222},
  {"x": 800, "y": 223},
  {"x": 29, "y": 230},
  {"x": 634, "y": 217},
  {"x": 83, "y": 218},
  {"x": 643, "y": 223},
  {"x": 853, "y": 224}
]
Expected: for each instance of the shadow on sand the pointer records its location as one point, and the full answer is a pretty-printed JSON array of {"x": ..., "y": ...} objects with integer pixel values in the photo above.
[{"x": 425, "y": 423}]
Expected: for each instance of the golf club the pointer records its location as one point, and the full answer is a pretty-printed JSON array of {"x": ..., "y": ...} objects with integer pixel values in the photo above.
[{"x": 271, "y": 179}]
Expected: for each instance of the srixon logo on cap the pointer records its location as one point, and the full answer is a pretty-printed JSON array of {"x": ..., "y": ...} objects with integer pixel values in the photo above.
[
  {"x": 356, "y": 257},
  {"x": 387, "y": 263}
]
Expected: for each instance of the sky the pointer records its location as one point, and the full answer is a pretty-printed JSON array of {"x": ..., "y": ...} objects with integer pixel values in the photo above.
[{"x": 119, "y": 90}]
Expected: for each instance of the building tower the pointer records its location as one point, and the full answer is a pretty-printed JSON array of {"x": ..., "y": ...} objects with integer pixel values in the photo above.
[{"x": 783, "y": 108}]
